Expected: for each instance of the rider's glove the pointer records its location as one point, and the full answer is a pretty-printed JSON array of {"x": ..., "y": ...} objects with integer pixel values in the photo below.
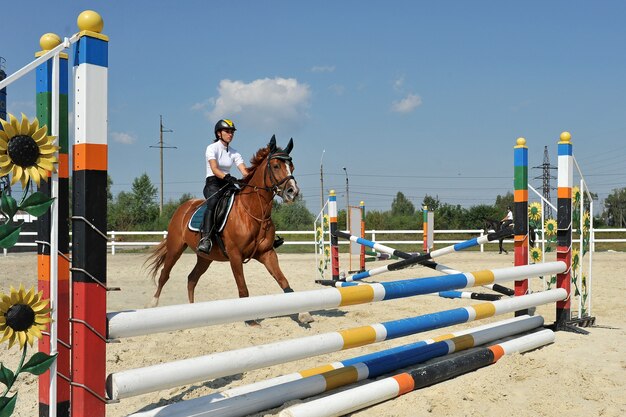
[{"x": 232, "y": 180}]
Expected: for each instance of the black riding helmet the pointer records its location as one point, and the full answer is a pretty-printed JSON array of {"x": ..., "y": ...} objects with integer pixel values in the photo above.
[{"x": 223, "y": 124}]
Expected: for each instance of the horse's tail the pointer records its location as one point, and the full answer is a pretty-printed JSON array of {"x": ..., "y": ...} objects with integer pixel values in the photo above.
[{"x": 156, "y": 259}]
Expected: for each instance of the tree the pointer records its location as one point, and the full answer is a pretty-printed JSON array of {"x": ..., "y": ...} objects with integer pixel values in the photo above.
[
  {"x": 476, "y": 215},
  {"x": 502, "y": 202},
  {"x": 137, "y": 209},
  {"x": 401, "y": 206},
  {"x": 432, "y": 203},
  {"x": 615, "y": 208},
  {"x": 294, "y": 216}
]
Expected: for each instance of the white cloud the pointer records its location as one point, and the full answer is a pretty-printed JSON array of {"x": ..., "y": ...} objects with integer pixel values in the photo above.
[
  {"x": 407, "y": 104},
  {"x": 398, "y": 83},
  {"x": 268, "y": 103},
  {"x": 122, "y": 137},
  {"x": 323, "y": 68}
]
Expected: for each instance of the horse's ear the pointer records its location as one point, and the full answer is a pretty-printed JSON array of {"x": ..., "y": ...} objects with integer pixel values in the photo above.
[
  {"x": 272, "y": 143},
  {"x": 289, "y": 146}
]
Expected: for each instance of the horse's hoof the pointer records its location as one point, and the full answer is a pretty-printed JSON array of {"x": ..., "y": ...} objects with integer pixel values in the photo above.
[
  {"x": 154, "y": 302},
  {"x": 253, "y": 323},
  {"x": 305, "y": 318}
]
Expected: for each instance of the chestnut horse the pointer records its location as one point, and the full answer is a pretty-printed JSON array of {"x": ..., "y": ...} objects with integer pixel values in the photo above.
[{"x": 248, "y": 234}]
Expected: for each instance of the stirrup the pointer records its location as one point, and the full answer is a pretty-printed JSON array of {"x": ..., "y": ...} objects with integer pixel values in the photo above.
[
  {"x": 205, "y": 245},
  {"x": 278, "y": 241}
]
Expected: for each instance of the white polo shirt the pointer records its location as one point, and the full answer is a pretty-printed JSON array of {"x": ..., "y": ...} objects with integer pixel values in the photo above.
[{"x": 225, "y": 157}]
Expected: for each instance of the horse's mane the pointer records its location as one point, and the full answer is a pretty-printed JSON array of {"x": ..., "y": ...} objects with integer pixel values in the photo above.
[{"x": 255, "y": 162}]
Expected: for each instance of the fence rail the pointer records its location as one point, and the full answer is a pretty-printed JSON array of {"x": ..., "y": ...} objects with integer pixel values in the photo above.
[{"x": 118, "y": 241}]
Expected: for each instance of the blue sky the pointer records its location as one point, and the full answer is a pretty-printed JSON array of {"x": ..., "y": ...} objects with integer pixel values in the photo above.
[{"x": 421, "y": 97}]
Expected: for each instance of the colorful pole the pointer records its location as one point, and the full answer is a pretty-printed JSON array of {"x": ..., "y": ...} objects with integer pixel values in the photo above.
[
  {"x": 53, "y": 255},
  {"x": 520, "y": 215},
  {"x": 334, "y": 242},
  {"x": 362, "y": 257},
  {"x": 425, "y": 228},
  {"x": 89, "y": 243},
  {"x": 138, "y": 381},
  {"x": 425, "y": 375},
  {"x": 252, "y": 398},
  {"x": 186, "y": 316},
  {"x": 565, "y": 182}
]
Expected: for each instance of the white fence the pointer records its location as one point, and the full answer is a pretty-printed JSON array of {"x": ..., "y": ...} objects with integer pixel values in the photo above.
[{"x": 308, "y": 238}]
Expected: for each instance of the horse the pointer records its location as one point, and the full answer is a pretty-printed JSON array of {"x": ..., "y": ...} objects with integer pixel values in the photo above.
[
  {"x": 248, "y": 234},
  {"x": 496, "y": 225}
]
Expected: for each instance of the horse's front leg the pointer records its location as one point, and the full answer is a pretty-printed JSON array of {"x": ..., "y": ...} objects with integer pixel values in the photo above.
[
  {"x": 270, "y": 260},
  {"x": 236, "y": 265}
]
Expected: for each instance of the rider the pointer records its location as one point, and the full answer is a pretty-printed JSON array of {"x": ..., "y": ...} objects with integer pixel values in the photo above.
[
  {"x": 508, "y": 219},
  {"x": 220, "y": 157}
]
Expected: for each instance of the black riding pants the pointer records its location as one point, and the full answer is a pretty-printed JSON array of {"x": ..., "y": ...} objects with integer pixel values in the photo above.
[{"x": 212, "y": 191}]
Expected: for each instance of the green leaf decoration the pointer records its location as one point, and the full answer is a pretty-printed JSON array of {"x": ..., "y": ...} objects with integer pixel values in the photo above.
[
  {"x": 8, "y": 204},
  {"x": 37, "y": 204},
  {"x": 9, "y": 234},
  {"x": 39, "y": 363},
  {"x": 6, "y": 375},
  {"x": 7, "y": 405}
]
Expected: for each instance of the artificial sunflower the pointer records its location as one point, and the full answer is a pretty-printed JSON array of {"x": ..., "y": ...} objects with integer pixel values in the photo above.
[
  {"x": 534, "y": 211},
  {"x": 318, "y": 234},
  {"x": 586, "y": 221},
  {"x": 575, "y": 195},
  {"x": 575, "y": 258},
  {"x": 23, "y": 315},
  {"x": 26, "y": 151},
  {"x": 535, "y": 254},
  {"x": 326, "y": 221},
  {"x": 550, "y": 227}
]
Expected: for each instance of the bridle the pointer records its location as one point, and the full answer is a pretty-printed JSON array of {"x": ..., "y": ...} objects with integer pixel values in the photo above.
[{"x": 275, "y": 186}]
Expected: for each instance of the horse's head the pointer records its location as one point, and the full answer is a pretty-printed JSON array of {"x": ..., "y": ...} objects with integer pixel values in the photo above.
[{"x": 280, "y": 171}]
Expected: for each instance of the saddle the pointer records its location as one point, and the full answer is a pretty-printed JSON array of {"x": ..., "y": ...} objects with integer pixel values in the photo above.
[{"x": 222, "y": 210}]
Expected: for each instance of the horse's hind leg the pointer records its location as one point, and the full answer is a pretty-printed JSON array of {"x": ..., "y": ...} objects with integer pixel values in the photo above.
[
  {"x": 202, "y": 264},
  {"x": 270, "y": 260},
  {"x": 174, "y": 252}
]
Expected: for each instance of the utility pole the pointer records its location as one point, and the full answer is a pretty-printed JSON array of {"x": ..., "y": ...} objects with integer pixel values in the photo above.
[
  {"x": 322, "y": 181},
  {"x": 161, "y": 147},
  {"x": 546, "y": 176}
]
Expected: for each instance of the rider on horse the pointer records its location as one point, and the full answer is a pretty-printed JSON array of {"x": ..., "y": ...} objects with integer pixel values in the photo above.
[
  {"x": 220, "y": 157},
  {"x": 508, "y": 219}
]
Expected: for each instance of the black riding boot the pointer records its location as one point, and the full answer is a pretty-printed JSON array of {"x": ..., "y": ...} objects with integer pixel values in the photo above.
[{"x": 206, "y": 243}]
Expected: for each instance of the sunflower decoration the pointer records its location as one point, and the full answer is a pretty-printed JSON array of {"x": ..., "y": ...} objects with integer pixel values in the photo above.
[
  {"x": 586, "y": 221},
  {"x": 575, "y": 258},
  {"x": 23, "y": 315},
  {"x": 318, "y": 234},
  {"x": 550, "y": 227},
  {"x": 534, "y": 211},
  {"x": 327, "y": 251},
  {"x": 575, "y": 196},
  {"x": 535, "y": 254},
  {"x": 26, "y": 151},
  {"x": 326, "y": 221}
]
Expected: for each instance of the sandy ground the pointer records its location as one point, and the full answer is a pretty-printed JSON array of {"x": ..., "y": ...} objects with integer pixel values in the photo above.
[{"x": 576, "y": 376}]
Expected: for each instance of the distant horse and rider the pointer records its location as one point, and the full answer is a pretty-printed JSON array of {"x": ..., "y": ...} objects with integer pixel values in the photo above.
[
  {"x": 248, "y": 234},
  {"x": 499, "y": 225}
]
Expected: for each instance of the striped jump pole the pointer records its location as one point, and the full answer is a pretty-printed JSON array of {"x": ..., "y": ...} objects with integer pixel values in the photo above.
[
  {"x": 186, "y": 316},
  {"x": 89, "y": 242},
  {"x": 138, "y": 381},
  {"x": 376, "y": 392},
  {"x": 520, "y": 225},
  {"x": 334, "y": 242},
  {"x": 419, "y": 259},
  {"x": 274, "y": 392},
  {"x": 54, "y": 231},
  {"x": 565, "y": 180}
]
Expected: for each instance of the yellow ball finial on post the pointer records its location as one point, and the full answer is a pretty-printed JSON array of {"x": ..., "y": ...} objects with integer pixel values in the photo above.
[
  {"x": 565, "y": 137},
  {"x": 49, "y": 41},
  {"x": 91, "y": 21},
  {"x": 520, "y": 143}
]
